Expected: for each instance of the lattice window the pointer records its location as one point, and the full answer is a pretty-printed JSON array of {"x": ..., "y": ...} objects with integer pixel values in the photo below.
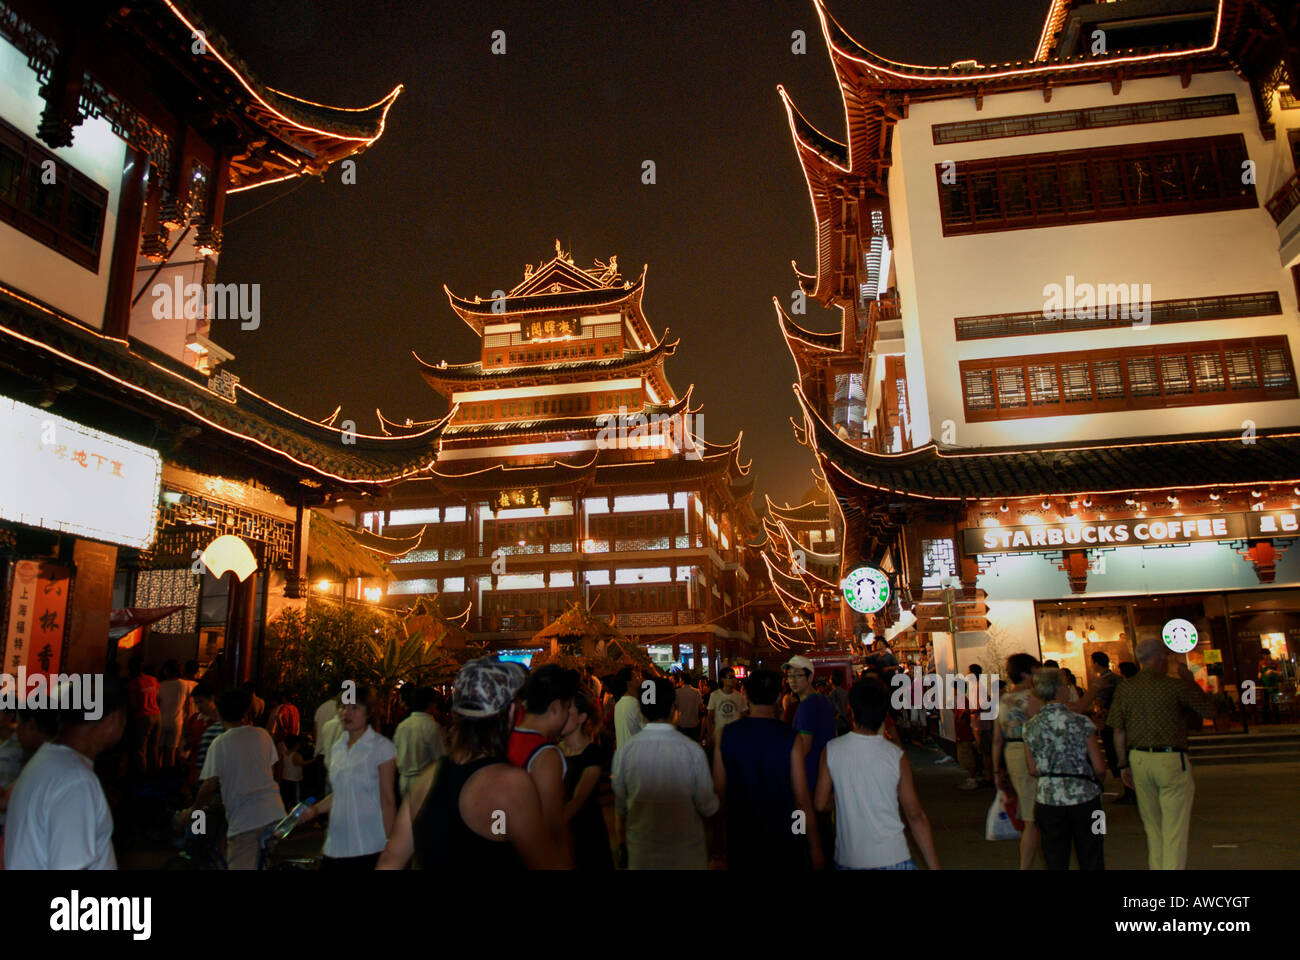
[
  {"x": 165, "y": 588},
  {"x": 938, "y": 560},
  {"x": 418, "y": 556}
]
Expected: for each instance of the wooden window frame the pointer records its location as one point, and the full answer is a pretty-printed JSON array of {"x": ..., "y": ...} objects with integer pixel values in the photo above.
[
  {"x": 1266, "y": 303},
  {"x": 1128, "y": 401},
  {"x": 1037, "y": 168},
  {"x": 1087, "y": 118},
  {"x": 56, "y": 236}
]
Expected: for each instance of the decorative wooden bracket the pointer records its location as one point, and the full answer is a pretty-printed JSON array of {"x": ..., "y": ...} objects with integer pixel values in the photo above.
[
  {"x": 1263, "y": 557},
  {"x": 1075, "y": 564}
]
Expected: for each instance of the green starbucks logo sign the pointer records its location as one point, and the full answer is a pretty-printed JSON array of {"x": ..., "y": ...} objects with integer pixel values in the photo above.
[
  {"x": 866, "y": 589},
  {"x": 1180, "y": 635}
]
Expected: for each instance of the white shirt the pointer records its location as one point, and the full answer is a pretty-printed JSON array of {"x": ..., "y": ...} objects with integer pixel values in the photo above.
[
  {"x": 357, "y": 818},
  {"x": 627, "y": 719},
  {"x": 418, "y": 743},
  {"x": 324, "y": 713},
  {"x": 243, "y": 759},
  {"x": 58, "y": 815},
  {"x": 663, "y": 789},
  {"x": 329, "y": 733},
  {"x": 868, "y": 829},
  {"x": 11, "y": 764},
  {"x": 172, "y": 696},
  {"x": 725, "y": 707}
]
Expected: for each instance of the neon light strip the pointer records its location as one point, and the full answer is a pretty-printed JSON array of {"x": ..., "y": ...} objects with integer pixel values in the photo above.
[
  {"x": 182, "y": 408},
  {"x": 392, "y": 96}
]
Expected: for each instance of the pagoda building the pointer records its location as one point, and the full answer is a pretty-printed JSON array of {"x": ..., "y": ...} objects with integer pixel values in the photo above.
[
  {"x": 571, "y": 469},
  {"x": 1069, "y": 287}
]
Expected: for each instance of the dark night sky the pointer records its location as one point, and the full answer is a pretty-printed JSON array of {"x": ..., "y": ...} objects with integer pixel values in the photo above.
[{"x": 487, "y": 159}]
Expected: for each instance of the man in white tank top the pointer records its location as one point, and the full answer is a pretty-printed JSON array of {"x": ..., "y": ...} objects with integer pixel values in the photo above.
[{"x": 869, "y": 780}]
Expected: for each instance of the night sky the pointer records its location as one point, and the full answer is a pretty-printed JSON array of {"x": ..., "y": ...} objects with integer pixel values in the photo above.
[{"x": 487, "y": 159}]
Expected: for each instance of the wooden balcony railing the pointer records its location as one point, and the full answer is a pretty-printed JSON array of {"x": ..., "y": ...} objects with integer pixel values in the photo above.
[{"x": 1285, "y": 200}]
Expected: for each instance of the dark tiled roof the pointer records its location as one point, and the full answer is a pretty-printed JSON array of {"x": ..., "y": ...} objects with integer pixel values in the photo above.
[
  {"x": 364, "y": 122},
  {"x": 1122, "y": 465},
  {"x": 257, "y": 427}
]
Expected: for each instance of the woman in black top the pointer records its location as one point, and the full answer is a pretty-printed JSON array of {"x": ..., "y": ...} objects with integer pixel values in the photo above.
[
  {"x": 471, "y": 811},
  {"x": 586, "y": 769}
]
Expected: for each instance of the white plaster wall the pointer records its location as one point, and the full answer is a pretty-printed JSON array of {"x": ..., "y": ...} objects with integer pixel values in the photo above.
[
  {"x": 1182, "y": 256},
  {"x": 96, "y": 153}
]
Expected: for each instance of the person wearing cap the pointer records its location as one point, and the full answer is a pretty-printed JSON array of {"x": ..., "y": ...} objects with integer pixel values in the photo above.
[
  {"x": 814, "y": 726},
  {"x": 1149, "y": 716},
  {"x": 471, "y": 812}
]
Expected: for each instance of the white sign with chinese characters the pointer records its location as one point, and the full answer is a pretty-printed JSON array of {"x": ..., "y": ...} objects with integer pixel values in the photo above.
[{"x": 63, "y": 476}]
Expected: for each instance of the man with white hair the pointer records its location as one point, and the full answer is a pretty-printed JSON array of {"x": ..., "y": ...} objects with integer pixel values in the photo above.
[{"x": 1149, "y": 717}]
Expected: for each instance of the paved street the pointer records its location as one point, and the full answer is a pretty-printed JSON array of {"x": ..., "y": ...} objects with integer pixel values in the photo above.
[{"x": 1243, "y": 818}]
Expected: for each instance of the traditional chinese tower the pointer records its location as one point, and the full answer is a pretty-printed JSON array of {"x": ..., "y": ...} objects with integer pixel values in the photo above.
[{"x": 572, "y": 470}]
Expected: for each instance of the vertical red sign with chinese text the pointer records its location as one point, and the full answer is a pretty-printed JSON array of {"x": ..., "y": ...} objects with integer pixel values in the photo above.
[{"x": 38, "y": 614}]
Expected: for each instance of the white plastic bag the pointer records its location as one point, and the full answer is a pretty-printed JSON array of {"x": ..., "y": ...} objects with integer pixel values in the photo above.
[{"x": 998, "y": 825}]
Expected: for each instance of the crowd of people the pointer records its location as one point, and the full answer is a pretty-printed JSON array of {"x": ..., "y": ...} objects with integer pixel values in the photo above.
[
  {"x": 506, "y": 769},
  {"x": 511, "y": 769},
  {"x": 1053, "y": 742}
]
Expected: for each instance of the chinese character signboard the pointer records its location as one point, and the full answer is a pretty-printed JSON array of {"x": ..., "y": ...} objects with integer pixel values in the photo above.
[
  {"x": 37, "y": 616},
  {"x": 520, "y": 499},
  {"x": 62, "y": 476},
  {"x": 550, "y": 329},
  {"x": 1273, "y": 523}
]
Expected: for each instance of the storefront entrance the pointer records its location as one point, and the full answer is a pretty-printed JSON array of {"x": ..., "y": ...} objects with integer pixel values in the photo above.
[{"x": 1243, "y": 635}]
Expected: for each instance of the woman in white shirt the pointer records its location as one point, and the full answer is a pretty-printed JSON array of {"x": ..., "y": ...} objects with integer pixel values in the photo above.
[{"x": 362, "y": 766}]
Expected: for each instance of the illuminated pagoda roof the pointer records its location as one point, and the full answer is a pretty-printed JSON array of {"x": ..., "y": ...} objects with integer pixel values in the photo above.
[
  {"x": 158, "y": 401},
  {"x": 558, "y": 284},
  {"x": 784, "y": 635},
  {"x": 278, "y": 135},
  {"x": 446, "y": 378},
  {"x": 814, "y": 513},
  {"x": 560, "y": 425},
  {"x": 877, "y": 91},
  {"x": 1184, "y": 463},
  {"x": 500, "y": 476}
]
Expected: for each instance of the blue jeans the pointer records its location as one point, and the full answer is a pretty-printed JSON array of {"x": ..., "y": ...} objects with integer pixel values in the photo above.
[{"x": 907, "y": 864}]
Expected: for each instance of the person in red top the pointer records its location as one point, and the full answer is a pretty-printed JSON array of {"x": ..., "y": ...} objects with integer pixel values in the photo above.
[
  {"x": 548, "y": 714},
  {"x": 146, "y": 718},
  {"x": 282, "y": 718}
]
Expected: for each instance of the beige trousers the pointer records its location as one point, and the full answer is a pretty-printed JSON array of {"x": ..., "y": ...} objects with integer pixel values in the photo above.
[{"x": 1164, "y": 790}]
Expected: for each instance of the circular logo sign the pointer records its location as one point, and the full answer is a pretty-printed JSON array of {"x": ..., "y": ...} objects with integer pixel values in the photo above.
[
  {"x": 866, "y": 589},
  {"x": 1180, "y": 635}
]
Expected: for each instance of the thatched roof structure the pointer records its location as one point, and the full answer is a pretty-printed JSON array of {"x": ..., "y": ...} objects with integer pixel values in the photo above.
[
  {"x": 334, "y": 553},
  {"x": 578, "y": 639}
]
